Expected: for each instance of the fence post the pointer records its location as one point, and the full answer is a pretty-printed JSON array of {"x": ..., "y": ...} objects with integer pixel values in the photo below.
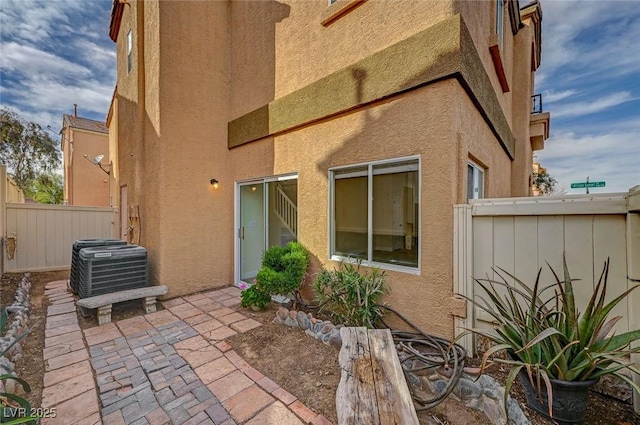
[
  {"x": 633, "y": 273},
  {"x": 463, "y": 272},
  {"x": 3, "y": 214}
]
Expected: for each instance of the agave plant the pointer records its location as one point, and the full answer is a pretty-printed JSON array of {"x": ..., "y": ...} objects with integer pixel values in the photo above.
[
  {"x": 12, "y": 405},
  {"x": 550, "y": 338}
]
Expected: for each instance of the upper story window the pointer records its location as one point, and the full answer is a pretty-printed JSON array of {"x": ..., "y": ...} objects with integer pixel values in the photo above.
[
  {"x": 500, "y": 21},
  {"x": 129, "y": 50},
  {"x": 374, "y": 213},
  {"x": 338, "y": 8},
  {"x": 475, "y": 181}
]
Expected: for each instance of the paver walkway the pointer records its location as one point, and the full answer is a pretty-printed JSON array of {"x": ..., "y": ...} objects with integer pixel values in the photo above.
[{"x": 168, "y": 367}]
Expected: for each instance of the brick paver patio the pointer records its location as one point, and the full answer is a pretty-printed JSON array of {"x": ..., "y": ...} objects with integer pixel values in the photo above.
[{"x": 168, "y": 367}]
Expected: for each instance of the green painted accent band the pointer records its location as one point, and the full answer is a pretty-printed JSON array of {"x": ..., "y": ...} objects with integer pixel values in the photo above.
[{"x": 444, "y": 50}]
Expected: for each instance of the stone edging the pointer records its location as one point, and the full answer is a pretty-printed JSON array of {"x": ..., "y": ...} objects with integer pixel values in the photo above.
[
  {"x": 481, "y": 393},
  {"x": 324, "y": 331},
  {"x": 20, "y": 309}
]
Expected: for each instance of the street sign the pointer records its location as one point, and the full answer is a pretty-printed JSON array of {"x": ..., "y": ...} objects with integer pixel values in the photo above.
[{"x": 582, "y": 185}]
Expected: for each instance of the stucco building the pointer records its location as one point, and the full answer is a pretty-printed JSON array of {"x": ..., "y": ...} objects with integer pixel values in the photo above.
[
  {"x": 352, "y": 126},
  {"x": 82, "y": 141}
]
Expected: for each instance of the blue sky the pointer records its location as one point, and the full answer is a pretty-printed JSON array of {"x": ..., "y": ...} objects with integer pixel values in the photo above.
[{"x": 55, "y": 54}]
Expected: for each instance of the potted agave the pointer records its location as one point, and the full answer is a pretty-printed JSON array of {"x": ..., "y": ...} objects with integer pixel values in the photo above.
[{"x": 557, "y": 352}]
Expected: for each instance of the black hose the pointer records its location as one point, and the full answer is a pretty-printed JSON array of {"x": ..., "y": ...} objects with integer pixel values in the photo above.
[{"x": 428, "y": 351}]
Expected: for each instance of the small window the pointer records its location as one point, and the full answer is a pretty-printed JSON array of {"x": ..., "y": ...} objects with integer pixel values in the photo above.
[
  {"x": 375, "y": 213},
  {"x": 500, "y": 21},
  {"x": 332, "y": 1},
  {"x": 129, "y": 50},
  {"x": 475, "y": 181}
]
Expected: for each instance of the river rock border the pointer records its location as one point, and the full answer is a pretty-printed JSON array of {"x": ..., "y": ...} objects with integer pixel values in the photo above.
[
  {"x": 19, "y": 322},
  {"x": 482, "y": 393},
  {"x": 322, "y": 330}
]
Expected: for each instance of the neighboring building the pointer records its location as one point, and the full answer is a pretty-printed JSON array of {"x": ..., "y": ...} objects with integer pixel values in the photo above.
[
  {"x": 537, "y": 169},
  {"x": 14, "y": 193},
  {"x": 352, "y": 126},
  {"x": 85, "y": 183}
]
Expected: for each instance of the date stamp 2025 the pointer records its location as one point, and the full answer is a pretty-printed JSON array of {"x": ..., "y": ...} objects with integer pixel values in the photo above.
[{"x": 40, "y": 412}]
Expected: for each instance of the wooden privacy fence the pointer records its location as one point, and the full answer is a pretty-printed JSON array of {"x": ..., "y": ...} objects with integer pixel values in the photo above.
[
  {"x": 522, "y": 235},
  {"x": 39, "y": 237}
]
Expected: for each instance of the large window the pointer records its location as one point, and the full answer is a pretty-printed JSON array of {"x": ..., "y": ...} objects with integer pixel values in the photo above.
[
  {"x": 375, "y": 213},
  {"x": 475, "y": 181}
]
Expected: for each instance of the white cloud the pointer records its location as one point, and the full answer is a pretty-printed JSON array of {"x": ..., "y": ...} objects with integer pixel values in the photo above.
[
  {"x": 95, "y": 54},
  {"x": 551, "y": 96},
  {"x": 51, "y": 95},
  {"x": 56, "y": 53},
  {"x": 35, "y": 21},
  {"x": 32, "y": 62},
  {"x": 611, "y": 157},
  {"x": 613, "y": 31},
  {"x": 577, "y": 109}
]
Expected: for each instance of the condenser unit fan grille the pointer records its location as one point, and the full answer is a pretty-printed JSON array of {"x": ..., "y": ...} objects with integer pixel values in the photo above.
[
  {"x": 111, "y": 269},
  {"x": 75, "y": 251}
]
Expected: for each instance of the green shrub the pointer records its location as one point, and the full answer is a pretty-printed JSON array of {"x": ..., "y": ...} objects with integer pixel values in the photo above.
[
  {"x": 253, "y": 296},
  {"x": 282, "y": 272},
  {"x": 270, "y": 281},
  {"x": 272, "y": 258},
  {"x": 352, "y": 295},
  {"x": 295, "y": 266}
]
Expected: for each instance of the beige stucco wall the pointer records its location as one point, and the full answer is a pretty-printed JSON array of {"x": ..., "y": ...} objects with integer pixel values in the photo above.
[
  {"x": 172, "y": 140},
  {"x": 174, "y": 106},
  {"x": 439, "y": 123},
  {"x": 523, "y": 89},
  {"x": 114, "y": 173},
  {"x": 85, "y": 184}
]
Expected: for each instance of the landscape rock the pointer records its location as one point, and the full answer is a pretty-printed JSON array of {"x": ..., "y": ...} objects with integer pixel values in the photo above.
[{"x": 18, "y": 322}]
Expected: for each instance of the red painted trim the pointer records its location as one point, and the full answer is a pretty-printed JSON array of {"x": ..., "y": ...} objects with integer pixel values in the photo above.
[
  {"x": 497, "y": 63},
  {"x": 116, "y": 18}
]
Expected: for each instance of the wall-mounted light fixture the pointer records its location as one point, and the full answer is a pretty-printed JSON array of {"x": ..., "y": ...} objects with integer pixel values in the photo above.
[
  {"x": 96, "y": 161},
  {"x": 214, "y": 183}
]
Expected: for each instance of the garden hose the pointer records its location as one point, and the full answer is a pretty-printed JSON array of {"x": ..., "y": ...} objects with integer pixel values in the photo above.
[{"x": 419, "y": 351}]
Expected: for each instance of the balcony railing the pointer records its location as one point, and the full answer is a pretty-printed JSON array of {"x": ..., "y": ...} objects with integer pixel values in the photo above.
[{"x": 536, "y": 103}]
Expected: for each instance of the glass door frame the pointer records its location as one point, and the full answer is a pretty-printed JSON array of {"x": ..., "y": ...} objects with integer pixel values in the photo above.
[{"x": 237, "y": 216}]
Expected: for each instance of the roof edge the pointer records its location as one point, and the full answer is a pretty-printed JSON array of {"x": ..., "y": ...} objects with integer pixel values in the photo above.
[
  {"x": 116, "y": 18},
  {"x": 533, "y": 11}
]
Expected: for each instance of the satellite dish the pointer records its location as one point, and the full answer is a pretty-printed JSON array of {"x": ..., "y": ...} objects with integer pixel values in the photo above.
[{"x": 97, "y": 159}]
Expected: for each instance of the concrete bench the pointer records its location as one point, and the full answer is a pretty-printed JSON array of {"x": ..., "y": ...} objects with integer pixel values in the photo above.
[
  {"x": 372, "y": 388},
  {"x": 104, "y": 302}
]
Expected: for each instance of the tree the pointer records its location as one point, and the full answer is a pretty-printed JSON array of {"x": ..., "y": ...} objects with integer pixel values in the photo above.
[
  {"x": 46, "y": 189},
  {"x": 26, "y": 149},
  {"x": 544, "y": 183}
]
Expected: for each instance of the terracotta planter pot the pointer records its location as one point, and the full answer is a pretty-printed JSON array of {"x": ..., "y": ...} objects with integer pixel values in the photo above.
[{"x": 570, "y": 398}]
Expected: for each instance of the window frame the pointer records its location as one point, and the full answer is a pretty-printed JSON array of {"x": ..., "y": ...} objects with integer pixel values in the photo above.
[
  {"x": 129, "y": 52},
  {"x": 369, "y": 174},
  {"x": 476, "y": 167},
  {"x": 499, "y": 22}
]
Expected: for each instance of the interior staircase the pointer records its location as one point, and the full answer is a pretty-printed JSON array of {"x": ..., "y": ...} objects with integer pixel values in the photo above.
[{"x": 287, "y": 211}]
